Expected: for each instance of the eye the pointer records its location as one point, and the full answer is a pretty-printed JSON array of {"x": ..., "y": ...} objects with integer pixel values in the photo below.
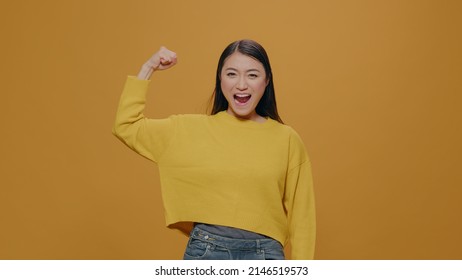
[
  {"x": 230, "y": 74},
  {"x": 253, "y": 75}
]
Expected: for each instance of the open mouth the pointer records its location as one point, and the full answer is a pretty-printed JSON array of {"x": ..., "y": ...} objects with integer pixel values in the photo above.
[{"x": 242, "y": 99}]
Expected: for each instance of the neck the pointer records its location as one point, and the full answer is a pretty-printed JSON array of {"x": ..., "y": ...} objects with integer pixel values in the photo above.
[{"x": 253, "y": 117}]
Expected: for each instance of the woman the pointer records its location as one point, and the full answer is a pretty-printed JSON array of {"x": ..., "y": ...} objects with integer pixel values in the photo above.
[{"x": 238, "y": 181}]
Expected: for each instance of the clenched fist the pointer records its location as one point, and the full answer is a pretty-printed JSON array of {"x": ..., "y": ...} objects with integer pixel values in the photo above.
[{"x": 163, "y": 59}]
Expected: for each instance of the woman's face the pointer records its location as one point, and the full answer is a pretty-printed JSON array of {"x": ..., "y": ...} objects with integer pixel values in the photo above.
[{"x": 243, "y": 82}]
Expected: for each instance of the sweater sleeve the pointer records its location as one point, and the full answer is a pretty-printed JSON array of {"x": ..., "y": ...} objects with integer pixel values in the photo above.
[
  {"x": 148, "y": 137},
  {"x": 299, "y": 203}
]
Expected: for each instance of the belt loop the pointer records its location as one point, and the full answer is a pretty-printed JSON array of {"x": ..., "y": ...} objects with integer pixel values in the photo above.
[
  {"x": 196, "y": 232},
  {"x": 258, "y": 246}
]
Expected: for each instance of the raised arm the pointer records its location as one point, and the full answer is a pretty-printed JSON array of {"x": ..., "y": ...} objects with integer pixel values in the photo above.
[{"x": 148, "y": 137}]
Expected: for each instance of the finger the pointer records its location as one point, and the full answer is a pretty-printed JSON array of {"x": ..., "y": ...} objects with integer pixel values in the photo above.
[
  {"x": 166, "y": 65},
  {"x": 164, "y": 58},
  {"x": 167, "y": 56},
  {"x": 165, "y": 61}
]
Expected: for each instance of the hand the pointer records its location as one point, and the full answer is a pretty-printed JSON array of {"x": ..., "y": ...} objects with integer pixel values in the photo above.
[{"x": 163, "y": 59}]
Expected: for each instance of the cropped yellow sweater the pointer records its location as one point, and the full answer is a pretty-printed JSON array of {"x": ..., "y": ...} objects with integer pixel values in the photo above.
[{"x": 221, "y": 170}]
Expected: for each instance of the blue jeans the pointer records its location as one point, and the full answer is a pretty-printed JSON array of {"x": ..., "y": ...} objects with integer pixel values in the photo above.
[{"x": 203, "y": 245}]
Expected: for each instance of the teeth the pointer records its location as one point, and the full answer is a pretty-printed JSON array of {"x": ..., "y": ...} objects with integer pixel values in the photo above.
[{"x": 242, "y": 95}]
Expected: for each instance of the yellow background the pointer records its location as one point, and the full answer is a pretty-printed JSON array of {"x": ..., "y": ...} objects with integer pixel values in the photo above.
[{"x": 373, "y": 87}]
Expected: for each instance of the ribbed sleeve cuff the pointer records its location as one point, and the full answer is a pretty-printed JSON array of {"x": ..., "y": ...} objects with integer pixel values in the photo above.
[{"x": 135, "y": 86}]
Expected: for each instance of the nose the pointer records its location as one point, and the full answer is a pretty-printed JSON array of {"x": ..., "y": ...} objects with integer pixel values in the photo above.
[{"x": 241, "y": 84}]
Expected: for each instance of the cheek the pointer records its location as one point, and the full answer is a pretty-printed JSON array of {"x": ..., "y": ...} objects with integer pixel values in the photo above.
[
  {"x": 226, "y": 85},
  {"x": 225, "y": 90},
  {"x": 260, "y": 87}
]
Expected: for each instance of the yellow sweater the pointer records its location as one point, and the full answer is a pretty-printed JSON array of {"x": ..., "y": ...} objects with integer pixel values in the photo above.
[{"x": 225, "y": 171}]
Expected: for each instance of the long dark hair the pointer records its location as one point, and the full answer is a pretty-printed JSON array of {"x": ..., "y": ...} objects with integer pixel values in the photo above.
[{"x": 267, "y": 105}]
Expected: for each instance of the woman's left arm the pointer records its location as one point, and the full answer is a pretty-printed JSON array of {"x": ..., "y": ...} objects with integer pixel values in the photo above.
[{"x": 299, "y": 203}]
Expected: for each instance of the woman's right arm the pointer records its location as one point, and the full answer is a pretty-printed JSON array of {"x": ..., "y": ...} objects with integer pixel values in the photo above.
[{"x": 148, "y": 137}]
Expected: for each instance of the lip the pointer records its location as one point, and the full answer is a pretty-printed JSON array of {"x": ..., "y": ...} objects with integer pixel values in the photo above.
[{"x": 241, "y": 95}]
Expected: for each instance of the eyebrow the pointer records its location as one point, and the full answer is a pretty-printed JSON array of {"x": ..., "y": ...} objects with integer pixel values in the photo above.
[{"x": 234, "y": 69}]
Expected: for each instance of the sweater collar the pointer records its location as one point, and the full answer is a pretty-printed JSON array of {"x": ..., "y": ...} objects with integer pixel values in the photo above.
[{"x": 226, "y": 117}]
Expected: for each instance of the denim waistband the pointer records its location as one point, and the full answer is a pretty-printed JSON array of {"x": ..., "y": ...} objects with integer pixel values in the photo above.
[{"x": 234, "y": 243}]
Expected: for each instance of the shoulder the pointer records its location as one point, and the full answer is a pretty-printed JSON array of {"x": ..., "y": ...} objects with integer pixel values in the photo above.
[
  {"x": 190, "y": 123},
  {"x": 188, "y": 117},
  {"x": 290, "y": 132},
  {"x": 297, "y": 149}
]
